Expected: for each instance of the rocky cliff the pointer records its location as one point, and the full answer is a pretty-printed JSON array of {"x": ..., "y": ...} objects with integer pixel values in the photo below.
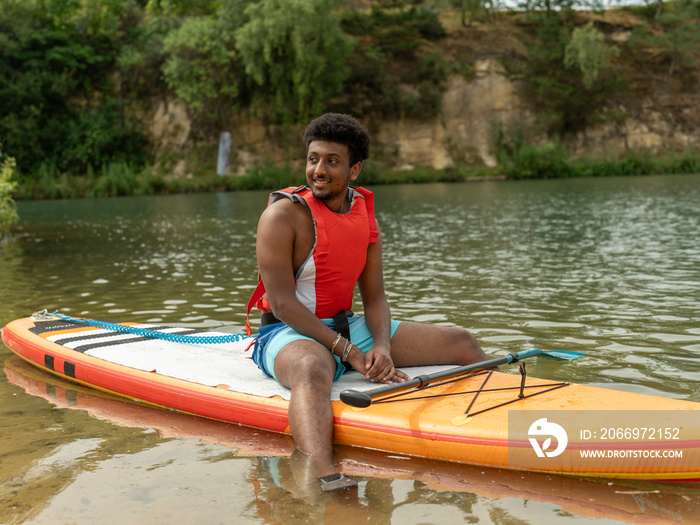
[{"x": 661, "y": 112}]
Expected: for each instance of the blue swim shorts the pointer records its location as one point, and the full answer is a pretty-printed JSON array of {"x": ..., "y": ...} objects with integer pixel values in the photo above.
[{"x": 272, "y": 338}]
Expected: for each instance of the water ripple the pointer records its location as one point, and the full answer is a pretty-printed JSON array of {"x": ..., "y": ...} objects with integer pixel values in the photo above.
[{"x": 609, "y": 267}]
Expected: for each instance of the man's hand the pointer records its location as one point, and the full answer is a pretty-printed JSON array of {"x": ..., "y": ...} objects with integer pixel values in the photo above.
[
  {"x": 380, "y": 368},
  {"x": 376, "y": 366}
]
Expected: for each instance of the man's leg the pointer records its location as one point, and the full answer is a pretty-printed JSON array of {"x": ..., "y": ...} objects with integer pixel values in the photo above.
[
  {"x": 307, "y": 369},
  {"x": 418, "y": 344}
]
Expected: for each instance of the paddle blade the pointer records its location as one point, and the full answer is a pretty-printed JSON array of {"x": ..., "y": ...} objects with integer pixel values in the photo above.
[{"x": 564, "y": 354}]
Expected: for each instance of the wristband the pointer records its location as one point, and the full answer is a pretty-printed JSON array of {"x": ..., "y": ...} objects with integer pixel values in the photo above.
[
  {"x": 346, "y": 352},
  {"x": 335, "y": 343}
]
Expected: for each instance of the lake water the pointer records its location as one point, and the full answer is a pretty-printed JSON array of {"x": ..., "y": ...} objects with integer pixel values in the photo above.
[{"x": 609, "y": 267}]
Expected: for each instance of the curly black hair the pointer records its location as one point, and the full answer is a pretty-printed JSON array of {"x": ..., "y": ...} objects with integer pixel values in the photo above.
[{"x": 344, "y": 129}]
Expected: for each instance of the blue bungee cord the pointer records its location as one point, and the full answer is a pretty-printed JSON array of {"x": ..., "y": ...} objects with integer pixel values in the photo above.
[{"x": 155, "y": 334}]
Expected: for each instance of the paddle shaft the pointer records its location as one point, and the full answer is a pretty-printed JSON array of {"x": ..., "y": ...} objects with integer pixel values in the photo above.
[{"x": 364, "y": 399}]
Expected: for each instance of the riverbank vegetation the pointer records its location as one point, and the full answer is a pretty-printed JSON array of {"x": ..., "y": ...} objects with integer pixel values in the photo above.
[
  {"x": 8, "y": 210},
  {"x": 78, "y": 77},
  {"x": 542, "y": 161}
]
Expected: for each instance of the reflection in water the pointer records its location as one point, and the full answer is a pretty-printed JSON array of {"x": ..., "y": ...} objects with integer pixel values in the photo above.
[
  {"x": 609, "y": 267},
  {"x": 234, "y": 474}
]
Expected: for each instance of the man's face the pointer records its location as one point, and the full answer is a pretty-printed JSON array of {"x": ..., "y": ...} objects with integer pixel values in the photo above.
[{"x": 328, "y": 171}]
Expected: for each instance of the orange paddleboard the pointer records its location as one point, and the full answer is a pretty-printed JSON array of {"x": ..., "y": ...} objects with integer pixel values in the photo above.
[
  {"x": 493, "y": 419},
  {"x": 624, "y": 501}
]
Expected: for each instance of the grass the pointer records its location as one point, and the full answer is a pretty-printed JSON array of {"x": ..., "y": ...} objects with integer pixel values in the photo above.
[
  {"x": 542, "y": 161},
  {"x": 549, "y": 160}
]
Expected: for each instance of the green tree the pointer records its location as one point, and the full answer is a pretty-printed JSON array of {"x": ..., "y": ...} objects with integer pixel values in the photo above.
[
  {"x": 564, "y": 6},
  {"x": 182, "y": 8},
  {"x": 55, "y": 62},
  {"x": 295, "y": 53},
  {"x": 678, "y": 38},
  {"x": 549, "y": 85},
  {"x": 8, "y": 210},
  {"x": 202, "y": 69},
  {"x": 588, "y": 51},
  {"x": 554, "y": 86},
  {"x": 395, "y": 69},
  {"x": 470, "y": 10},
  {"x": 141, "y": 55}
]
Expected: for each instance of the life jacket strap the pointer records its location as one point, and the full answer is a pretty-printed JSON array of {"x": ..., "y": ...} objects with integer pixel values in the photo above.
[
  {"x": 340, "y": 320},
  {"x": 254, "y": 298}
]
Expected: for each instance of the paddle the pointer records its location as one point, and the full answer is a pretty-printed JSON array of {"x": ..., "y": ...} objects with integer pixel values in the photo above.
[{"x": 364, "y": 399}]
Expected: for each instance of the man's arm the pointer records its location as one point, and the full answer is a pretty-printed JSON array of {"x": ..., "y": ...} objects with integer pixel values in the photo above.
[
  {"x": 378, "y": 365},
  {"x": 277, "y": 233}
]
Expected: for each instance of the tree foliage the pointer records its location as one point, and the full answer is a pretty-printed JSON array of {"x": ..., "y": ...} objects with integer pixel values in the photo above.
[
  {"x": 588, "y": 51},
  {"x": 201, "y": 68},
  {"x": 295, "y": 66},
  {"x": 674, "y": 34},
  {"x": 52, "y": 55},
  {"x": 566, "y": 92},
  {"x": 182, "y": 8},
  {"x": 76, "y": 75},
  {"x": 8, "y": 210},
  {"x": 391, "y": 33},
  {"x": 562, "y": 6},
  {"x": 471, "y": 10}
]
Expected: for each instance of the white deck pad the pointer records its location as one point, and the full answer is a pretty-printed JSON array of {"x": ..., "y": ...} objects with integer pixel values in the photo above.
[{"x": 213, "y": 365}]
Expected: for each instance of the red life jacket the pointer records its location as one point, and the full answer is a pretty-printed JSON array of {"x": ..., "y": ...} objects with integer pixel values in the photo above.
[{"x": 325, "y": 282}]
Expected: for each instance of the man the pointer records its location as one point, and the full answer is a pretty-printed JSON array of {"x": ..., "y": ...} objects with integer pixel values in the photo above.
[{"x": 313, "y": 245}]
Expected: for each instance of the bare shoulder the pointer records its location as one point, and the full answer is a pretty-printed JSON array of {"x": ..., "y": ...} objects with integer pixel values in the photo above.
[
  {"x": 284, "y": 212},
  {"x": 285, "y": 220},
  {"x": 286, "y": 225}
]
